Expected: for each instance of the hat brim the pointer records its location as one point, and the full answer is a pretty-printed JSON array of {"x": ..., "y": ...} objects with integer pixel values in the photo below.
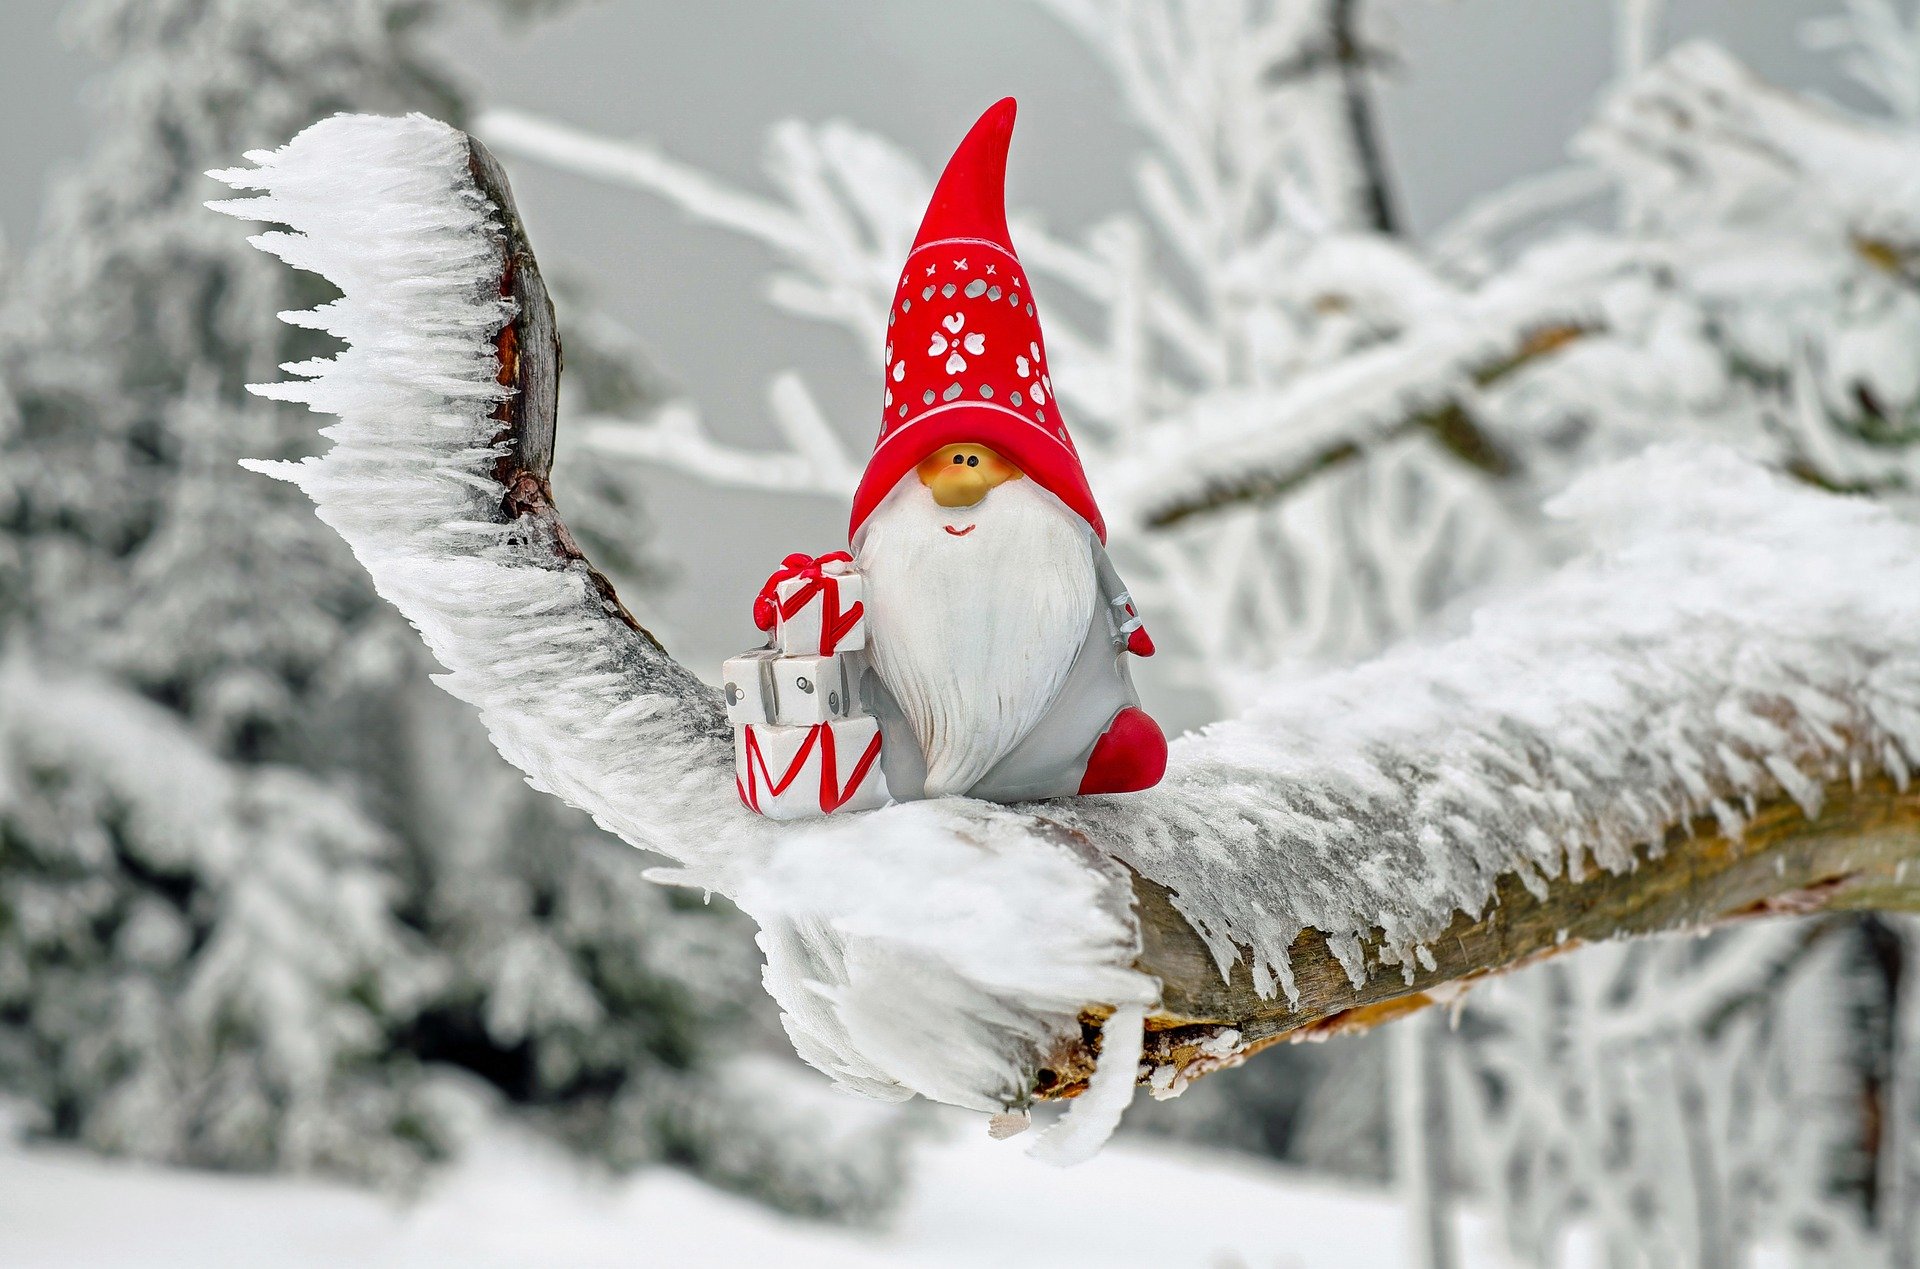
[{"x": 1038, "y": 453}]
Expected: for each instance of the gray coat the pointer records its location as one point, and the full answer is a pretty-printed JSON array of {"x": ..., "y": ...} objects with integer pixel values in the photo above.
[{"x": 1049, "y": 760}]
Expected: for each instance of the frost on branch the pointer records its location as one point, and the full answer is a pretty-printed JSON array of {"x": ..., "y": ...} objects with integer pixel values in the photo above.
[
  {"x": 1758, "y": 290},
  {"x": 452, "y": 520},
  {"x": 437, "y": 480},
  {"x": 1704, "y": 658},
  {"x": 1706, "y": 655}
]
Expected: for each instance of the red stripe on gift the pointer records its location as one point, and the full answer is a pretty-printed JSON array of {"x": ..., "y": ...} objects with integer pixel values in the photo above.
[
  {"x": 833, "y": 794},
  {"x": 834, "y": 623}
]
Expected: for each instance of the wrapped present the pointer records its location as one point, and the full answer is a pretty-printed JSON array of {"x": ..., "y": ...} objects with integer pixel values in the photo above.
[
  {"x": 814, "y": 607},
  {"x": 765, "y": 686},
  {"x": 795, "y": 773},
  {"x": 746, "y": 681}
]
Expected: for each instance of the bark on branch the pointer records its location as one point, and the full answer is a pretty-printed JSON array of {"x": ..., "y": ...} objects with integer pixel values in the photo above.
[
  {"x": 1861, "y": 853},
  {"x": 1855, "y": 854}
]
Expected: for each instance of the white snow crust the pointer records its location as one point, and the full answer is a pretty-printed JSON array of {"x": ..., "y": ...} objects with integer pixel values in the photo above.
[
  {"x": 919, "y": 949},
  {"x": 513, "y": 1200},
  {"x": 1728, "y": 634}
]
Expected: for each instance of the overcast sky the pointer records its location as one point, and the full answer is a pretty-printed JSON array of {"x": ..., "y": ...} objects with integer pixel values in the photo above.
[{"x": 1486, "y": 90}]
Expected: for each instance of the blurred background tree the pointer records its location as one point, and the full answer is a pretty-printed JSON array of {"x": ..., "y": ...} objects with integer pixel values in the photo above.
[
  {"x": 1314, "y": 435},
  {"x": 266, "y": 900}
]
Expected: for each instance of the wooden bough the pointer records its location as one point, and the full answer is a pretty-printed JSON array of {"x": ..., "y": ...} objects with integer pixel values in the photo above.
[{"x": 1856, "y": 854}]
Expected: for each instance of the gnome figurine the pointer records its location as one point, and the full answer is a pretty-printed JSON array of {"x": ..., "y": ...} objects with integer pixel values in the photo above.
[{"x": 998, "y": 631}]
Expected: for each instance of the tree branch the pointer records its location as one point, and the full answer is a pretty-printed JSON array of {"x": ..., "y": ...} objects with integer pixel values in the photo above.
[
  {"x": 1862, "y": 852},
  {"x": 1449, "y": 422},
  {"x": 1705, "y": 657},
  {"x": 1364, "y": 133}
]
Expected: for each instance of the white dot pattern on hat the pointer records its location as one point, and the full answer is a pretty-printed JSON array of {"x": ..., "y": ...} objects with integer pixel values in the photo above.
[{"x": 966, "y": 343}]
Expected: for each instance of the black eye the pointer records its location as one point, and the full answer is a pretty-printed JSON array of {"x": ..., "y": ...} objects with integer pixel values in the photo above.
[
  {"x": 958, "y": 459},
  {"x": 973, "y": 460}
]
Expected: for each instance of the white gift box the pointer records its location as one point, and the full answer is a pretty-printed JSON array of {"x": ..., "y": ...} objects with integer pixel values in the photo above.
[
  {"x": 744, "y": 682},
  {"x": 796, "y": 773},
  {"x": 764, "y": 686},
  {"x": 819, "y": 616}
]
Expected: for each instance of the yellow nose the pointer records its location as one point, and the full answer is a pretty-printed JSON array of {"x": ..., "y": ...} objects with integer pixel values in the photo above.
[
  {"x": 958, "y": 486},
  {"x": 961, "y": 475}
]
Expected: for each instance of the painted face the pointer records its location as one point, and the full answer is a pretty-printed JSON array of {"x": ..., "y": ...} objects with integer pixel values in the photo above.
[{"x": 961, "y": 475}]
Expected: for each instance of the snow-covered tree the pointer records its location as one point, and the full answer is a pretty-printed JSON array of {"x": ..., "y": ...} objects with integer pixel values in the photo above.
[
  {"x": 265, "y": 898},
  {"x": 1313, "y": 436},
  {"x": 1695, "y": 721}
]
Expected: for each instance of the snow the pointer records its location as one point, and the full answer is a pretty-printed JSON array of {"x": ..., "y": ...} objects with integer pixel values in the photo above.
[
  {"x": 514, "y": 1201},
  {"x": 292, "y": 934},
  {"x": 1703, "y": 138},
  {"x": 170, "y": 789},
  {"x": 1747, "y": 210},
  {"x": 922, "y": 949},
  {"x": 1703, "y": 653},
  {"x": 948, "y": 919},
  {"x": 1230, "y": 438}
]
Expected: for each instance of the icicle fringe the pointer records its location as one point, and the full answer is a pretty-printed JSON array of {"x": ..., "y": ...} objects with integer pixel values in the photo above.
[
  {"x": 922, "y": 949},
  {"x": 1728, "y": 636}
]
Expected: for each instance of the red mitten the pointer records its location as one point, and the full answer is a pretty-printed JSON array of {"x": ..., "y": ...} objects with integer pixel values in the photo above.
[{"x": 1138, "y": 641}]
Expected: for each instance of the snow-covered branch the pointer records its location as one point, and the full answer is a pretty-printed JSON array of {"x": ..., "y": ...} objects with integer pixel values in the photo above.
[
  {"x": 1855, "y": 854},
  {"x": 1347, "y": 840},
  {"x": 939, "y": 948},
  {"x": 1758, "y": 227},
  {"x": 1880, "y": 50},
  {"x": 1257, "y": 445},
  {"x": 841, "y": 224},
  {"x": 1712, "y": 144},
  {"x": 1704, "y": 660}
]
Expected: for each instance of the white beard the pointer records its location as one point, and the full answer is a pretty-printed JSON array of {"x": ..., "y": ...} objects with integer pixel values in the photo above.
[{"x": 974, "y": 635}]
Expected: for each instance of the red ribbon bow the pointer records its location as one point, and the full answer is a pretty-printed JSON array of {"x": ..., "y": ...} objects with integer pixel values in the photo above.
[{"x": 799, "y": 564}]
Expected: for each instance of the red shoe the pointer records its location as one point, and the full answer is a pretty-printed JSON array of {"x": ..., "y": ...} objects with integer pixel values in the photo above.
[{"x": 1129, "y": 756}]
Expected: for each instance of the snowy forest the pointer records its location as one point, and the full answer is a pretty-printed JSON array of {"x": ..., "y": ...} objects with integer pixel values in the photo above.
[{"x": 1538, "y": 591}]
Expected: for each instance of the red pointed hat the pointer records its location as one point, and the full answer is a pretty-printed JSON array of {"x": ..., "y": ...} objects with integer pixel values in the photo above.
[{"x": 965, "y": 359}]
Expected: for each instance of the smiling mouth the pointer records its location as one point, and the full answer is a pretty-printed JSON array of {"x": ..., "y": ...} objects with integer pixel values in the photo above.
[{"x": 959, "y": 533}]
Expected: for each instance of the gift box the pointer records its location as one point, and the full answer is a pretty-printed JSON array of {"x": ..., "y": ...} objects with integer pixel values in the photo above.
[
  {"x": 794, "y": 773},
  {"x": 767, "y": 686},
  {"x": 819, "y": 609}
]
